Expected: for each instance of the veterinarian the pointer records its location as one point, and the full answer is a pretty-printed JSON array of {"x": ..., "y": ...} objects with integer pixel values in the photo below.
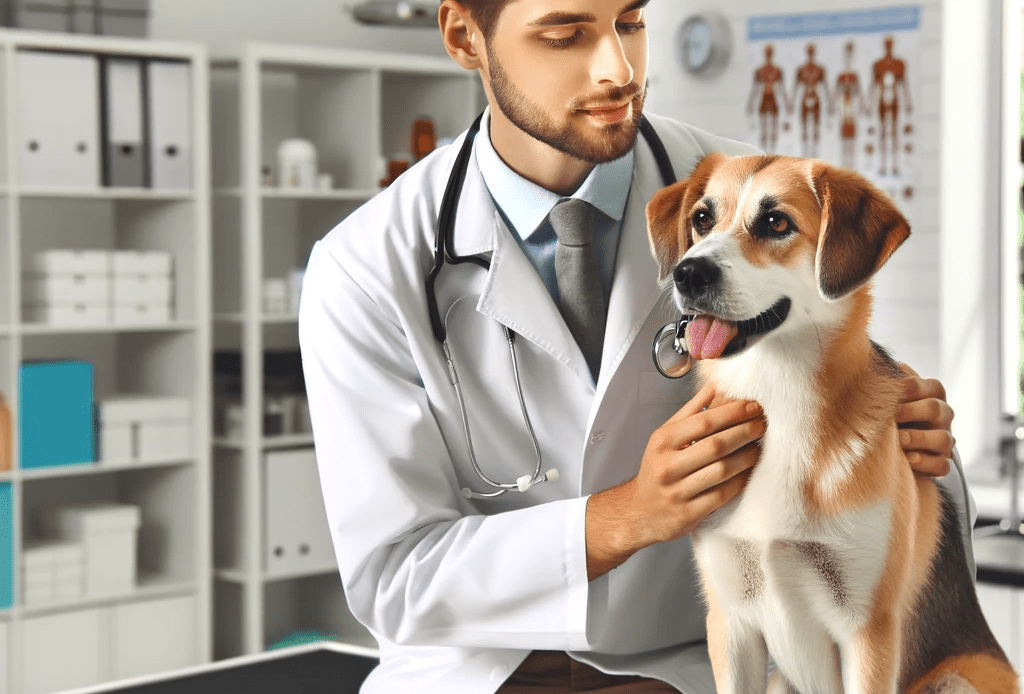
[{"x": 582, "y": 582}]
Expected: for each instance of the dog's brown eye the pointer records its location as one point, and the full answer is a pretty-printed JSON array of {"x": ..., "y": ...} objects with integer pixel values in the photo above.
[
  {"x": 703, "y": 221},
  {"x": 778, "y": 223}
]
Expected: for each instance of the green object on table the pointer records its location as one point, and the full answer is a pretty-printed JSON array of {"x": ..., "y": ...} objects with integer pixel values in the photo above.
[{"x": 300, "y": 637}]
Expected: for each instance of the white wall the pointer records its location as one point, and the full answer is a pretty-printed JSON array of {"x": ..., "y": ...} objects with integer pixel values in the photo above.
[
  {"x": 226, "y": 24},
  {"x": 951, "y": 258},
  {"x": 951, "y": 330}
]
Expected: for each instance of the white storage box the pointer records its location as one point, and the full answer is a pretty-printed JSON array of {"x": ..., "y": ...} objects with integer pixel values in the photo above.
[
  {"x": 51, "y": 556},
  {"x": 109, "y": 534},
  {"x": 141, "y": 288},
  {"x": 66, "y": 289},
  {"x": 68, "y": 314},
  {"x": 141, "y": 263},
  {"x": 140, "y": 427},
  {"x": 65, "y": 261},
  {"x": 134, "y": 314},
  {"x": 52, "y": 572}
]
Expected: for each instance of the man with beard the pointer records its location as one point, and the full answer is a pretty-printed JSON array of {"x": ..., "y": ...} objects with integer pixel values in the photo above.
[{"x": 432, "y": 384}]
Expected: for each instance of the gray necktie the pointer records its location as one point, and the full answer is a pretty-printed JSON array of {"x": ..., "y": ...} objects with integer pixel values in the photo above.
[{"x": 578, "y": 274}]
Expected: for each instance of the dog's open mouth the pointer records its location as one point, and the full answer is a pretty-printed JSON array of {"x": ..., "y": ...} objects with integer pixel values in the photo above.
[{"x": 710, "y": 337}]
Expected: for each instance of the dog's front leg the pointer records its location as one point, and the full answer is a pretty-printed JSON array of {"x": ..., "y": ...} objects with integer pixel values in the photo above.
[
  {"x": 738, "y": 653},
  {"x": 871, "y": 658}
]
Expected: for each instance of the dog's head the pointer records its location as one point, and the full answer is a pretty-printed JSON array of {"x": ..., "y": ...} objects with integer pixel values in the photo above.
[{"x": 763, "y": 244}]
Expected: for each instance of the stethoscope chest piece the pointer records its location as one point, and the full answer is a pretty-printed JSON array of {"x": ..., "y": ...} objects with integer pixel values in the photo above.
[{"x": 669, "y": 350}]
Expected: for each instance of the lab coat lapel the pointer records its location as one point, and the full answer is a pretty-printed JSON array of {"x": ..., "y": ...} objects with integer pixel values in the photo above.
[{"x": 513, "y": 293}]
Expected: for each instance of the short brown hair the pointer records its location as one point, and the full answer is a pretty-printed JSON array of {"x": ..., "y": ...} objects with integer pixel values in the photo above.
[{"x": 485, "y": 13}]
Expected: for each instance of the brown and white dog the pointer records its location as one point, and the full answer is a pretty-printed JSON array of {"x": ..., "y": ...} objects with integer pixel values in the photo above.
[{"x": 837, "y": 560}]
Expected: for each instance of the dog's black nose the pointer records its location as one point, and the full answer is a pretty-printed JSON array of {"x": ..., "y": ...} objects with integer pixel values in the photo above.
[{"x": 695, "y": 276}]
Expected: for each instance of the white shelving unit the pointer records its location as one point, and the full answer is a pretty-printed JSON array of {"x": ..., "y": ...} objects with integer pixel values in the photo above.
[
  {"x": 355, "y": 107},
  {"x": 165, "y": 621}
]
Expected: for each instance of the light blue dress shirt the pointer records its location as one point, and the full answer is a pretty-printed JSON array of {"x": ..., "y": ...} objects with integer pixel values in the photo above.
[{"x": 524, "y": 206}]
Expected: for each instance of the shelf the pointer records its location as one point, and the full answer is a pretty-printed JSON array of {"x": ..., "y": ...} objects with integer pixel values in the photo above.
[
  {"x": 335, "y": 194},
  {"x": 266, "y": 319},
  {"x": 238, "y": 576},
  {"x": 149, "y": 587},
  {"x": 267, "y": 443},
  {"x": 331, "y": 568},
  {"x": 44, "y": 329},
  {"x": 98, "y": 469},
  {"x": 106, "y": 193}
]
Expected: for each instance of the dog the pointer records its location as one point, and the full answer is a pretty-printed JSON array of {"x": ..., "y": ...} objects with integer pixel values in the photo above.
[{"x": 837, "y": 560}]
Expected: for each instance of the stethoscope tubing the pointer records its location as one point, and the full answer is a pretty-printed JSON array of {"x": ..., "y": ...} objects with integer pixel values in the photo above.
[{"x": 443, "y": 242}]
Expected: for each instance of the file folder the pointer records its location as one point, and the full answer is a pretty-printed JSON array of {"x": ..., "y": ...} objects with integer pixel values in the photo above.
[
  {"x": 124, "y": 146},
  {"x": 6, "y": 546},
  {"x": 168, "y": 88},
  {"x": 59, "y": 119}
]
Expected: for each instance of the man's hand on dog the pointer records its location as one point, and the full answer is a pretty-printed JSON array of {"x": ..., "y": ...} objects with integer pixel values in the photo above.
[
  {"x": 924, "y": 420},
  {"x": 694, "y": 464}
]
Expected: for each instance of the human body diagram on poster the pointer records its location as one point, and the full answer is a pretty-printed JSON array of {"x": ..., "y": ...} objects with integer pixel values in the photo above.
[{"x": 845, "y": 97}]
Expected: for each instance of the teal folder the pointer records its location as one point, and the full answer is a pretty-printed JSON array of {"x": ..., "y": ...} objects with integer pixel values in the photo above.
[
  {"x": 57, "y": 424},
  {"x": 6, "y": 547}
]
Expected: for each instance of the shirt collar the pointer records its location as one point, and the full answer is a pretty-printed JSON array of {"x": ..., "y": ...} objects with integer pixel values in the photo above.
[{"x": 526, "y": 204}]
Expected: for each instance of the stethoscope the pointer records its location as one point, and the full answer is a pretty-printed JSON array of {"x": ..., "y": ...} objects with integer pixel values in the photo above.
[{"x": 443, "y": 241}]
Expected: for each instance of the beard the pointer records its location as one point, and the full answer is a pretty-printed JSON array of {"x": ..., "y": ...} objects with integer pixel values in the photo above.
[{"x": 617, "y": 140}]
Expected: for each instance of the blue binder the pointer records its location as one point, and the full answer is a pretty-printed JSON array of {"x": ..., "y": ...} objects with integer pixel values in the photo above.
[
  {"x": 57, "y": 423},
  {"x": 6, "y": 547}
]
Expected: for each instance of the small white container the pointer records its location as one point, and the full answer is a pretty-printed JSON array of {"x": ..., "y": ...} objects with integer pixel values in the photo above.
[
  {"x": 141, "y": 313},
  {"x": 141, "y": 263},
  {"x": 109, "y": 533},
  {"x": 83, "y": 313},
  {"x": 142, "y": 288},
  {"x": 275, "y": 296},
  {"x": 66, "y": 289},
  {"x": 296, "y": 164},
  {"x": 138, "y": 427},
  {"x": 65, "y": 261}
]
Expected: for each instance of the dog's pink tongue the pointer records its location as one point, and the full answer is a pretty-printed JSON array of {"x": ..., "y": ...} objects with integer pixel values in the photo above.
[{"x": 707, "y": 336}]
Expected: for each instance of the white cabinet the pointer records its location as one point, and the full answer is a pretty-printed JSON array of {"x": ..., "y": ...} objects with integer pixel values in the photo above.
[
  {"x": 62, "y": 651},
  {"x": 153, "y": 636}
]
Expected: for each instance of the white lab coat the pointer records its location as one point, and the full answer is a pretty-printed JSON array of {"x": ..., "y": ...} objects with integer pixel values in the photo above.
[{"x": 458, "y": 592}]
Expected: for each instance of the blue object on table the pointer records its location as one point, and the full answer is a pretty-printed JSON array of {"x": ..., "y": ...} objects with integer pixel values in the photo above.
[
  {"x": 6, "y": 547},
  {"x": 57, "y": 424},
  {"x": 301, "y": 637}
]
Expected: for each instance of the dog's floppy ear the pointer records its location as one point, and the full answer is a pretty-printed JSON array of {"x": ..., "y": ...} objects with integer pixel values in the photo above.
[
  {"x": 860, "y": 228},
  {"x": 668, "y": 226}
]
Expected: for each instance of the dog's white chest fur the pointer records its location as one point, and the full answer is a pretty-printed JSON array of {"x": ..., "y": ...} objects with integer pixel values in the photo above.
[{"x": 789, "y": 585}]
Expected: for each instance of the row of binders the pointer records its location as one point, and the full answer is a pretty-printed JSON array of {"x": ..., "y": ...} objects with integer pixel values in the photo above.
[{"x": 89, "y": 120}]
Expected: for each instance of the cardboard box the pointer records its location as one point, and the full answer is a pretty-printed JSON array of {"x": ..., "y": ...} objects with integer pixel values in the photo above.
[
  {"x": 134, "y": 428},
  {"x": 81, "y": 288},
  {"x": 68, "y": 314},
  {"x": 142, "y": 288},
  {"x": 66, "y": 261},
  {"x": 142, "y": 313},
  {"x": 109, "y": 533},
  {"x": 141, "y": 263}
]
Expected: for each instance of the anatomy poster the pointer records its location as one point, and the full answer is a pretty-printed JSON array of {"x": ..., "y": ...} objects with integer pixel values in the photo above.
[{"x": 841, "y": 87}]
